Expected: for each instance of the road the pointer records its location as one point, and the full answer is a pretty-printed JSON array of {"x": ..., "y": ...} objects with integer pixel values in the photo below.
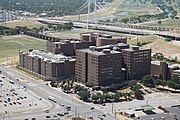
[
  {"x": 123, "y": 29},
  {"x": 43, "y": 91},
  {"x": 78, "y": 107}
]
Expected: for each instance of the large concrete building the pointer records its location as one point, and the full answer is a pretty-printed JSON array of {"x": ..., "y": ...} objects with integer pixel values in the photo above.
[
  {"x": 137, "y": 62},
  {"x": 47, "y": 65},
  {"x": 100, "y": 60},
  {"x": 98, "y": 67},
  {"x": 112, "y": 64},
  {"x": 67, "y": 47},
  {"x": 164, "y": 71},
  {"x": 101, "y": 39}
]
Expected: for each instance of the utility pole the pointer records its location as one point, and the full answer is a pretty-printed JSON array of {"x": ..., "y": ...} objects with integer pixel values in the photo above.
[
  {"x": 89, "y": 6},
  {"x": 112, "y": 107},
  {"x": 19, "y": 50},
  {"x": 75, "y": 111}
]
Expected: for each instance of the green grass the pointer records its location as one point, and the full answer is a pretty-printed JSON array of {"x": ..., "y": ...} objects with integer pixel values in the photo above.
[
  {"x": 142, "y": 39},
  {"x": 75, "y": 34},
  {"x": 169, "y": 23},
  {"x": 134, "y": 10},
  {"x": 29, "y": 23},
  {"x": 9, "y": 45}
]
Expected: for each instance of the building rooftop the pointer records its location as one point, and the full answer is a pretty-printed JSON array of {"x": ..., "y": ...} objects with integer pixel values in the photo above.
[
  {"x": 134, "y": 48},
  {"x": 98, "y": 53},
  {"x": 69, "y": 41},
  {"x": 48, "y": 56},
  {"x": 169, "y": 65}
]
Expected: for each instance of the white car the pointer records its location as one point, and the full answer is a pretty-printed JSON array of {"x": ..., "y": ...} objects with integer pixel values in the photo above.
[{"x": 52, "y": 98}]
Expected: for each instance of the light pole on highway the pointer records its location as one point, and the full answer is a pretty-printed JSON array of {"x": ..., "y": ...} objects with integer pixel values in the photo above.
[
  {"x": 112, "y": 107},
  {"x": 75, "y": 111},
  {"x": 147, "y": 101}
]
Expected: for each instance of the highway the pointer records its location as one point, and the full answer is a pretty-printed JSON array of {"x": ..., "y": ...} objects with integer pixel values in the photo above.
[
  {"x": 43, "y": 91},
  {"x": 122, "y": 28}
]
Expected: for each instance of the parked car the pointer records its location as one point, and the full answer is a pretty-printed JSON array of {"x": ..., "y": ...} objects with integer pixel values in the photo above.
[{"x": 46, "y": 111}]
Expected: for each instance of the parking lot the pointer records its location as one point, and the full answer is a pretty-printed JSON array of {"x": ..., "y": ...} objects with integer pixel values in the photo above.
[{"x": 15, "y": 98}]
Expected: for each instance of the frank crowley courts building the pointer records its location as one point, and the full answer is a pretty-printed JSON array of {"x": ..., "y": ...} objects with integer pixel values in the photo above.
[{"x": 98, "y": 64}]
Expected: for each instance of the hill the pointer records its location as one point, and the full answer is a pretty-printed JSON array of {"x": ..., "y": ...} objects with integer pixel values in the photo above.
[{"x": 50, "y": 7}]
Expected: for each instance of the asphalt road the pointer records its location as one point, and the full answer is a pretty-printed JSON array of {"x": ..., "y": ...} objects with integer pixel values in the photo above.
[
  {"x": 43, "y": 91},
  {"x": 77, "y": 106}
]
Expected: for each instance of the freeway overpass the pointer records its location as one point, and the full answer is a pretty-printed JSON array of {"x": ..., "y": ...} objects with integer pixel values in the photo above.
[{"x": 121, "y": 28}]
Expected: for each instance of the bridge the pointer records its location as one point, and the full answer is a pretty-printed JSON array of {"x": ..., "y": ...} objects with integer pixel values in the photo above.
[{"x": 122, "y": 28}]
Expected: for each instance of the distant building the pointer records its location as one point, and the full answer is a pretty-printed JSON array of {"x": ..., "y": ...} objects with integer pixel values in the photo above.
[
  {"x": 98, "y": 67},
  {"x": 164, "y": 71},
  {"x": 115, "y": 63},
  {"x": 47, "y": 65},
  {"x": 137, "y": 62},
  {"x": 101, "y": 39},
  {"x": 97, "y": 58},
  {"x": 67, "y": 47}
]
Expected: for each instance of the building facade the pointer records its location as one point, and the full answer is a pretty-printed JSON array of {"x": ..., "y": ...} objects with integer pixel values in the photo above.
[
  {"x": 164, "y": 71},
  {"x": 67, "y": 47},
  {"x": 47, "y": 65},
  {"x": 98, "y": 67},
  {"x": 109, "y": 64},
  {"x": 137, "y": 62},
  {"x": 101, "y": 39}
]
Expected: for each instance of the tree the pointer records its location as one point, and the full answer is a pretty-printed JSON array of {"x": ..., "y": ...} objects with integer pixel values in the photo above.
[
  {"x": 163, "y": 83},
  {"x": 158, "y": 82},
  {"x": 50, "y": 26},
  {"x": 159, "y": 21},
  {"x": 41, "y": 29},
  {"x": 52, "y": 83},
  {"x": 136, "y": 87},
  {"x": 125, "y": 95},
  {"x": 138, "y": 94},
  {"x": 129, "y": 94},
  {"x": 105, "y": 89},
  {"x": 113, "y": 87},
  {"x": 132, "y": 83},
  {"x": 175, "y": 79},
  {"x": 94, "y": 97},
  {"x": 66, "y": 88},
  {"x": 85, "y": 95},
  {"x": 148, "y": 81},
  {"x": 170, "y": 83}
]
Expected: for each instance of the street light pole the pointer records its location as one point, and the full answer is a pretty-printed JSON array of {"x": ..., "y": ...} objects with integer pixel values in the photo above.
[
  {"x": 75, "y": 111},
  {"x": 147, "y": 101}
]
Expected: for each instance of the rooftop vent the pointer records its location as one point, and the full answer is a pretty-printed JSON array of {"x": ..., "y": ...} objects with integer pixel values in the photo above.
[
  {"x": 106, "y": 50},
  {"x": 135, "y": 47},
  {"x": 92, "y": 48}
]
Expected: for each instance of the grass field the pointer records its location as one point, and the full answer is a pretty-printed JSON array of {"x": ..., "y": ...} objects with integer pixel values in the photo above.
[
  {"x": 134, "y": 11},
  {"x": 27, "y": 22},
  {"x": 9, "y": 45},
  {"x": 169, "y": 23},
  {"x": 141, "y": 39},
  {"x": 76, "y": 34}
]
